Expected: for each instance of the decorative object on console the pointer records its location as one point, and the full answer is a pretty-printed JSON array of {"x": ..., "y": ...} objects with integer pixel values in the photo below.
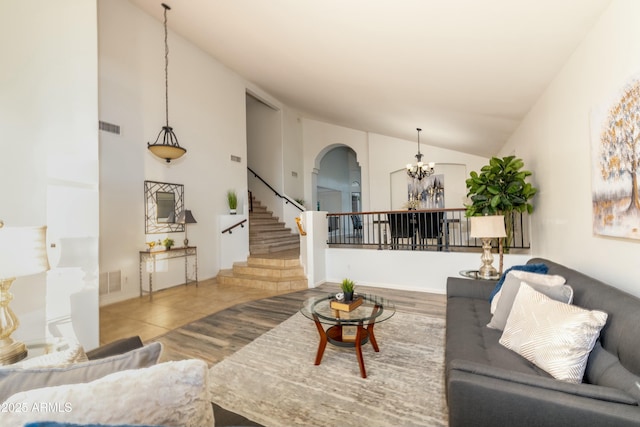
[
  {"x": 420, "y": 170},
  {"x": 232, "y": 200},
  {"x": 186, "y": 217},
  {"x": 22, "y": 253},
  {"x": 169, "y": 149},
  {"x": 487, "y": 228},
  {"x": 167, "y": 243}
]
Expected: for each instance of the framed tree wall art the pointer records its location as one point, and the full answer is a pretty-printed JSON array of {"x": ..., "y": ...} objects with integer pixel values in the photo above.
[{"x": 615, "y": 141}]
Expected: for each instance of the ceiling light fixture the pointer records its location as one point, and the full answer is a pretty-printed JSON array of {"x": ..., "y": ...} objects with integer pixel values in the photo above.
[
  {"x": 169, "y": 149},
  {"x": 420, "y": 170}
]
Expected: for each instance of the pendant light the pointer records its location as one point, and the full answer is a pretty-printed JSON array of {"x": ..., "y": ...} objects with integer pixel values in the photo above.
[
  {"x": 169, "y": 148},
  {"x": 420, "y": 170}
]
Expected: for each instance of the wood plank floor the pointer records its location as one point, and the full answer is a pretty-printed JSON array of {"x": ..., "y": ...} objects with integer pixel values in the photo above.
[{"x": 213, "y": 321}]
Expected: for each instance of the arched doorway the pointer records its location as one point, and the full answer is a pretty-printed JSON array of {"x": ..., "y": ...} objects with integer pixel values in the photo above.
[{"x": 338, "y": 184}]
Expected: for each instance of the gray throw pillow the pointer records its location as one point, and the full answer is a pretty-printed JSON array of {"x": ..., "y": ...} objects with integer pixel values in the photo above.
[
  {"x": 562, "y": 293},
  {"x": 14, "y": 380}
]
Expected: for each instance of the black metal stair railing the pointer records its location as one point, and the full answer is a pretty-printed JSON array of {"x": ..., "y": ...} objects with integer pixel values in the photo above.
[
  {"x": 422, "y": 230},
  {"x": 230, "y": 229},
  {"x": 285, "y": 198}
]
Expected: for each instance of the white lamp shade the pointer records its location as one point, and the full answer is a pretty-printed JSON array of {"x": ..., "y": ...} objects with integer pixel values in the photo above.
[
  {"x": 23, "y": 251},
  {"x": 487, "y": 226}
]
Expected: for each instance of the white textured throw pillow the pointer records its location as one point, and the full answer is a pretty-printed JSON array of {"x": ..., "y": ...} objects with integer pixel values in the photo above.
[
  {"x": 551, "y": 285},
  {"x": 556, "y": 337},
  {"x": 168, "y": 394}
]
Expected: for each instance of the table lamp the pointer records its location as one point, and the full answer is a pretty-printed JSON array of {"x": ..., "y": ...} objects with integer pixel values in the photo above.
[
  {"x": 23, "y": 252},
  {"x": 487, "y": 228},
  {"x": 185, "y": 217}
]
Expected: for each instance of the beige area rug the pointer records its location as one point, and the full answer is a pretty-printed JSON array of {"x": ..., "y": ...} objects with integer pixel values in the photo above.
[{"x": 274, "y": 382}]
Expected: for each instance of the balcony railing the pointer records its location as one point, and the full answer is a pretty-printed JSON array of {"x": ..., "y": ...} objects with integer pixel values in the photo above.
[{"x": 424, "y": 230}]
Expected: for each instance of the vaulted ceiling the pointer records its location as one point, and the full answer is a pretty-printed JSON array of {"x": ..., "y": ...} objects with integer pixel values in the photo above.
[{"x": 465, "y": 71}]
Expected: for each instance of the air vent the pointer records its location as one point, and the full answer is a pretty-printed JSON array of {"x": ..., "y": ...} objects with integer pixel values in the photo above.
[
  {"x": 110, "y": 282},
  {"x": 109, "y": 127},
  {"x": 236, "y": 158}
]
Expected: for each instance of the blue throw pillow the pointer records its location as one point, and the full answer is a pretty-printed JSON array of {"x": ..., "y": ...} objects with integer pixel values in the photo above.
[{"x": 531, "y": 268}]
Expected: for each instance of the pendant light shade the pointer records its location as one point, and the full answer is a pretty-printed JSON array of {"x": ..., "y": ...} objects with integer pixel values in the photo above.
[
  {"x": 169, "y": 148},
  {"x": 166, "y": 145}
]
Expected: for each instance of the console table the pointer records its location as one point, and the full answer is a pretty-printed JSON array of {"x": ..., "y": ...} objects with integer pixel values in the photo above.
[{"x": 155, "y": 256}]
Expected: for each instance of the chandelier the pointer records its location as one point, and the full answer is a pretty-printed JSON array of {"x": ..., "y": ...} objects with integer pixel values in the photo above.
[
  {"x": 169, "y": 148},
  {"x": 420, "y": 170}
]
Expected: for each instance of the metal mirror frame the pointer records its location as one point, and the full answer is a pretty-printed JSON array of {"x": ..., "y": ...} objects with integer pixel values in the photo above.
[{"x": 151, "y": 224}]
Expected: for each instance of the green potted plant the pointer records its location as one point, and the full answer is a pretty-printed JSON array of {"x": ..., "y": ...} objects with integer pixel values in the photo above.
[
  {"x": 347, "y": 286},
  {"x": 232, "y": 200},
  {"x": 500, "y": 189},
  {"x": 167, "y": 243}
]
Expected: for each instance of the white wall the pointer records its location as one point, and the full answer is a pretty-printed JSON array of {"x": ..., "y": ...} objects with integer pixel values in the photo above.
[
  {"x": 378, "y": 156},
  {"x": 319, "y": 138},
  {"x": 207, "y": 112},
  {"x": 388, "y": 155},
  {"x": 49, "y": 120},
  {"x": 292, "y": 156},
  {"x": 554, "y": 141},
  {"x": 424, "y": 271}
]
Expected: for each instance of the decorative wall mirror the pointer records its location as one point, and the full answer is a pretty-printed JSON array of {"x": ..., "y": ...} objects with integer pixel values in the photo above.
[{"x": 163, "y": 203}]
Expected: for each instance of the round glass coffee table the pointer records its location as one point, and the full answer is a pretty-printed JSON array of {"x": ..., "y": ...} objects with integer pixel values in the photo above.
[{"x": 349, "y": 326}]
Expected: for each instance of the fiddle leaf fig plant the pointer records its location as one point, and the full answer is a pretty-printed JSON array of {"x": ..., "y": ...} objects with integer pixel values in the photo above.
[{"x": 500, "y": 189}]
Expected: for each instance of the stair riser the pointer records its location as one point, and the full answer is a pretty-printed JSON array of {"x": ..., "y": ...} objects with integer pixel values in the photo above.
[
  {"x": 261, "y": 215},
  {"x": 277, "y": 263},
  {"x": 271, "y": 234},
  {"x": 261, "y": 284},
  {"x": 269, "y": 272},
  {"x": 257, "y": 250},
  {"x": 275, "y": 239},
  {"x": 267, "y": 234},
  {"x": 259, "y": 228}
]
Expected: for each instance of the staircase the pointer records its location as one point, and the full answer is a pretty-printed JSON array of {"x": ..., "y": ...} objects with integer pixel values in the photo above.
[
  {"x": 267, "y": 234},
  {"x": 274, "y": 260},
  {"x": 279, "y": 272}
]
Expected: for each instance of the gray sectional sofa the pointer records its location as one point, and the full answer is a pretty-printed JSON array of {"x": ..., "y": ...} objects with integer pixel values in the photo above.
[{"x": 489, "y": 385}]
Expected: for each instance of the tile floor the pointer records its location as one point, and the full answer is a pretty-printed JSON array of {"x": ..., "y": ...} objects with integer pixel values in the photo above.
[{"x": 171, "y": 308}]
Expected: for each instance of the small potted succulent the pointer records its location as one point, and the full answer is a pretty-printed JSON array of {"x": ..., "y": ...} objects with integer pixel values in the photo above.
[
  {"x": 347, "y": 286},
  {"x": 232, "y": 200}
]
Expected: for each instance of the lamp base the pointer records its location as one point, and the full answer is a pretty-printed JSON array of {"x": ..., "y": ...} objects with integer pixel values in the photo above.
[
  {"x": 11, "y": 351},
  {"x": 487, "y": 271}
]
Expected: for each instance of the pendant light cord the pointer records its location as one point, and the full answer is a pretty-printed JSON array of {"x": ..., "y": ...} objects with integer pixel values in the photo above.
[{"x": 166, "y": 65}]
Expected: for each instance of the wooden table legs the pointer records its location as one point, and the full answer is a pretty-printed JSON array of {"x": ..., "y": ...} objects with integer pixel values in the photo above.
[
  {"x": 334, "y": 334},
  {"x": 323, "y": 340}
]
